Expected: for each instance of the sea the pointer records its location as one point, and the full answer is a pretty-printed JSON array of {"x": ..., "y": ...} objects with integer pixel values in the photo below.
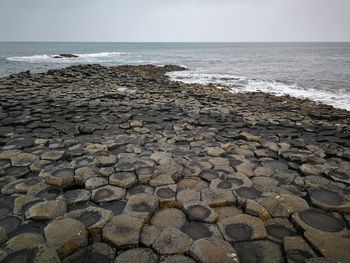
[{"x": 317, "y": 71}]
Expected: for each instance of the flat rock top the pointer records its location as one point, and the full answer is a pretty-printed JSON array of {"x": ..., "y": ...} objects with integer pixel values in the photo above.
[{"x": 120, "y": 163}]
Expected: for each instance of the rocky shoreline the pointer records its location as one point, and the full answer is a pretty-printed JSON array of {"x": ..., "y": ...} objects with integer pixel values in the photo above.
[{"x": 120, "y": 164}]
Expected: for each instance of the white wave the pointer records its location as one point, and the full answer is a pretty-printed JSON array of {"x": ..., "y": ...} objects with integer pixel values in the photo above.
[
  {"x": 82, "y": 57},
  {"x": 337, "y": 99}
]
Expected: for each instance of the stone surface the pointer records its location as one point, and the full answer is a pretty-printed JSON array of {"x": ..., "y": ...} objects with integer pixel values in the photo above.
[
  {"x": 172, "y": 241},
  {"x": 48, "y": 210},
  {"x": 210, "y": 250},
  {"x": 123, "y": 231},
  {"x": 66, "y": 235},
  {"x": 107, "y": 193}
]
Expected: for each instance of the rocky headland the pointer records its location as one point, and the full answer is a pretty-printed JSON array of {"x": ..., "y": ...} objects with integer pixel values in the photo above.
[{"x": 120, "y": 164}]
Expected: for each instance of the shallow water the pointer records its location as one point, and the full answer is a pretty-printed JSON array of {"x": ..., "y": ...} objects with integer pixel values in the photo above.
[{"x": 318, "y": 71}]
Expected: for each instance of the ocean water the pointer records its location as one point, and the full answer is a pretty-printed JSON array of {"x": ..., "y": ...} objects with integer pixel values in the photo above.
[{"x": 318, "y": 71}]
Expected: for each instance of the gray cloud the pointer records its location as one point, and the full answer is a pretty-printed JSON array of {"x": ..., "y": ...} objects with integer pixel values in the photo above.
[{"x": 175, "y": 20}]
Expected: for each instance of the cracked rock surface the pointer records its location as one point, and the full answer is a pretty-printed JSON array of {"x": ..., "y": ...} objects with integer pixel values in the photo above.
[{"x": 120, "y": 164}]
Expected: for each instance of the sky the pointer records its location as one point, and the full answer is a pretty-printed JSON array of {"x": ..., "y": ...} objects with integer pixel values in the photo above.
[{"x": 175, "y": 20}]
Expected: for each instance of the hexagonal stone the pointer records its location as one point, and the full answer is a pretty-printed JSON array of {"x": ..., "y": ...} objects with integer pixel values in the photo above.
[
  {"x": 215, "y": 151},
  {"x": 255, "y": 209},
  {"x": 141, "y": 255},
  {"x": 145, "y": 173},
  {"x": 149, "y": 235},
  {"x": 216, "y": 198},
  {"x": 24, "y": 185},
  {"x": 169, "y": 217},
  {"x": 66, "y": 235},
  {"x": 279, "y": 228},
  {"x": 106, "y": 160},
  {"x": 282, "y": 205},
  {"x": 82, "y": 174},
  {"x": 198, "y": 230},
  {"x": 58, "y": 176},
  {"x": 94, "y": 218},
  {"x": 312, "y": 219},
  {"x": 123, "y": 179},
  {"x": 199, "y": 211},
  {"x": 231, "y": 182},
  {"x": 296, "y": 249},
  {"x": 141, "y": 206},
  {"x": 10, "y": 224},
  {"x": 244, "y": 193},
  {"x": 117, "y": 206},
  {"x": 227, "y": 211},
  {"x": 74, "y": 197},
  {"x": 328, "y": 245},
  {"x": 172, "y": 241},
  {"x": 23, "y": 159},
  {"x": 263, "y": 251},
  {"x": 330, "y": 199},
  {"x": 123, "y": 231},
  {"x": 95, "y": 182},
  {"x": 188, "y": 195},
  {"x": 52, "y": 155},
  {"x": 339, "y": 176},
  {"x": 167, "y": 195},
  {"x": 38, "y": 254},
  {"x": 23, "y": 241},
  {"x": 209, "y": 175},
  {"x": 47, "y": 210},
  {"x": 97, "y": 252},
  {"x": 83, "y": 161},
  {"x": 211, "y": 250},
  {"x": 242, "y": 228},
  {"x": 107, "y": 193}
]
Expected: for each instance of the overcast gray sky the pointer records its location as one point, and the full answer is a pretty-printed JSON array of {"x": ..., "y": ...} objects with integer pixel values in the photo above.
[{"x": 174, "y": 20}]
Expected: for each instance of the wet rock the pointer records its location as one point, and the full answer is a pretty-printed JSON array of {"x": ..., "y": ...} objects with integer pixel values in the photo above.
[
  {"x": 58, "y": 176},
  {"x": 199, "y": 211},
  {"x": 47, "y": 210},
  {"x": 198, "y": 230},
  {"x": 10, "y": 224},
  {"x": 98, "y": 252},
  {"x": 330, "y": 199},
  {"x": 172, "y": 241},
  {"x": 93, "y": 218},
  {"x": 312, "y": 219},
  {"x": 106, "y": 160},
  {"x": 117, "y": 207},
  {"x": 107, "y": 193},
  {"x": 123, "y": 231},
  {"x": 279, "y": 228},
  {"x": 211, "y": 250},
  {"x": 167, "y": 195},
  {"x": 242, "y": 228},
  {"x": 66, "y": 236},
  {"x": 297, "y": 249},
  {"x": 141, "y": 206},
  {"x": 145, "y": 173},
  {"x": 259, "y": 251},
  {"x": 142, "y": 255},
  {"x": 74, "y": 197}
]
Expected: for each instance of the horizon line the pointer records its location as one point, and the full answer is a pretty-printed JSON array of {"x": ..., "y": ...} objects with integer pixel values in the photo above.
[{"x": 180, "y": 42}]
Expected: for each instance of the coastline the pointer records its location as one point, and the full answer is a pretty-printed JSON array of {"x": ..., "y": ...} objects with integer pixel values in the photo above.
[{"x": 94, "y": 149}]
